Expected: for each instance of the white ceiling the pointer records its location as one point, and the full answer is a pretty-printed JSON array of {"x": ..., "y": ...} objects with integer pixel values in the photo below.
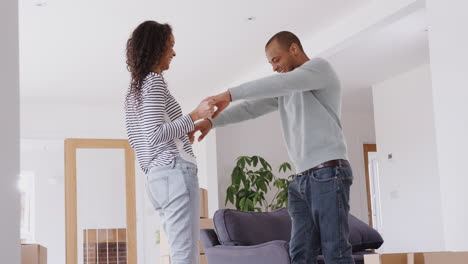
[
  {"x": 379, "y": 55},
  {"x": 73, "y": 51}
]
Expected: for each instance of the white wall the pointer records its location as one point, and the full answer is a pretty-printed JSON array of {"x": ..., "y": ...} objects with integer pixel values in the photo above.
[
  {"x": 410, "y": 194},
  {"x": 448, "y": 53},
  {"x": 358, "y": 128},
  {"x": 45, "y": 159},
  {"x": 9, "y": 117},
  {"x": 67, "y": 120}
]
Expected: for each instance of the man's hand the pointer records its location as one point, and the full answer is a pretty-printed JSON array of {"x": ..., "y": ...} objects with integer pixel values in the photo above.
[
  {"x": 222, "y": 101},
  {"x": 204, "y": 127}
]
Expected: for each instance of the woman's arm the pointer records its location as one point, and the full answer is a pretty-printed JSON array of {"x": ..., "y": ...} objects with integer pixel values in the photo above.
[{"x": 153, "y": 111}]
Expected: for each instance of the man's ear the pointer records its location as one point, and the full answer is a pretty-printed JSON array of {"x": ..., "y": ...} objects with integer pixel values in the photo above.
[{"x": 294, "y": 49}]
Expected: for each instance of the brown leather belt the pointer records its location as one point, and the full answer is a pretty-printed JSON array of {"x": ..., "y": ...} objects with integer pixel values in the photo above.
[{"x": 330, "y": 163}]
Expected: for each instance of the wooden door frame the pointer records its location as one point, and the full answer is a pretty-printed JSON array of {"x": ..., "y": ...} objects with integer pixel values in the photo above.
[
  {"x": 71, "y": 227},
  {"x": 368, "y": 148}
]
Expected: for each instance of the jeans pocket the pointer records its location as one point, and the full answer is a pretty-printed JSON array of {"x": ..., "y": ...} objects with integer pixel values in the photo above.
[
  {"x": 324, "y": 181},
  {"x": 324, "y": 174},
  {"x": 159, "y": 190}
]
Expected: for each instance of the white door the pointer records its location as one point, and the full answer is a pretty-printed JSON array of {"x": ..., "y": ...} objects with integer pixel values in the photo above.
[{"x": 374, "y": 182}]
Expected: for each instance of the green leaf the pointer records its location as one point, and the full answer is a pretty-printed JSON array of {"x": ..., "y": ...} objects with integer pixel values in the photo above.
[
  {"x": 269, "y": 175},
  {"x": 284, "y": 167},
  {"x": 243, "y": 193},
  {"x": 249, "y": 161},
  {"x": 241, "y": 174},
  {"x": 249, "y": 205},
  {"x": 229, "y": 195},
  {"x": 236, "y": 175},
  {"x": 263, "y": 186},
  {"x": 241, "y": 163},
  {"x": 242, "y": 203},
  {"x": 246, "y": 183},
  {"x": 281, "y": 194},
  {"x": 255, "y": 161},
  {"x": 265, "y": 164}
]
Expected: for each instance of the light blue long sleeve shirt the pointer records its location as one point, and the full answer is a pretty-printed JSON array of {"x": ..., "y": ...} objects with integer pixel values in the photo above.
[{"x": 309, "y": 101}]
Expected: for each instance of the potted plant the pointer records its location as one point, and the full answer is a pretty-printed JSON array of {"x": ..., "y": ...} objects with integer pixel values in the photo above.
[{"x": 252, "y": 178}]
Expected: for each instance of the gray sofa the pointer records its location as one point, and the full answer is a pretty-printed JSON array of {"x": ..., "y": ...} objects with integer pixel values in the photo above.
[{"x": 261, "y": 238}]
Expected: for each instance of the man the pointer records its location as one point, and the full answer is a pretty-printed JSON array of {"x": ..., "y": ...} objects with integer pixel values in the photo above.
[{"x": 308, "y": 96}]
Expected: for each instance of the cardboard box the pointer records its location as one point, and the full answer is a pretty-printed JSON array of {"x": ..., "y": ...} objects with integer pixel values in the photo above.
[
  {"x": 441, "y": 257},
  {"x": 203, "y": 203},
  {"x": 165, "y": 259},
  {"x": 203, "y": 259},
  {"x": 397, "y": 258},
  {"x": 418, "y": 258},
  {"x": 206, "y": 223},
  {"x": 33, "y": 254}
]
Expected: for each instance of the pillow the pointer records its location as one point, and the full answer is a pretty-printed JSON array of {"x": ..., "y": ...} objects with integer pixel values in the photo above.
[
  {"x": 236, "y": 228},
  {"x": 362, "y": 236}
]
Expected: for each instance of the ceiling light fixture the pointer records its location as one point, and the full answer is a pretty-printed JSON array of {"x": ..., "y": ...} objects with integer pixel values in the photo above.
[
  {"x": 251, "y": 18},
  {"x": 41, "y": 2}
]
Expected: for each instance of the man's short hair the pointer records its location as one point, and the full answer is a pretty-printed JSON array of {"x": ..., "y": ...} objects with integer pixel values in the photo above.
[{"x": 285, "y": 39}]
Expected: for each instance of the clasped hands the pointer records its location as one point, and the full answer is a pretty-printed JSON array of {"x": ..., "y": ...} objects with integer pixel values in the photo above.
[{"x": 210, "y": 107}]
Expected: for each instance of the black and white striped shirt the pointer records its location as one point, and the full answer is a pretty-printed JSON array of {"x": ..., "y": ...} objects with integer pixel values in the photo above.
[{"x": 156, "y": 129}]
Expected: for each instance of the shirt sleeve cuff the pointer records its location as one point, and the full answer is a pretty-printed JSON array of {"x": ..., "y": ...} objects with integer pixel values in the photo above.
[{"x": 188, "y": 123}]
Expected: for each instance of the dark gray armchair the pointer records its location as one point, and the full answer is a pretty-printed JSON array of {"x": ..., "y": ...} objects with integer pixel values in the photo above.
[{"x": 263, "y": 238}]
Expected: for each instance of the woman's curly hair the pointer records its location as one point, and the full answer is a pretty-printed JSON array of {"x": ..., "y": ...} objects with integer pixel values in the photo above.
[{"x": 145, "y": 48}]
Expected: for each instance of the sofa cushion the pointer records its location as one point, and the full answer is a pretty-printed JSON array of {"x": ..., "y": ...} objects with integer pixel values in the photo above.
[
  {"x": 362, "y": 236},
  {"x": 236, "y": 228}
]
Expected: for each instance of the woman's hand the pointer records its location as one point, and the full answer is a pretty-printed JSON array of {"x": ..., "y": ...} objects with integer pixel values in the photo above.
[{"x": 204, "y": 110}]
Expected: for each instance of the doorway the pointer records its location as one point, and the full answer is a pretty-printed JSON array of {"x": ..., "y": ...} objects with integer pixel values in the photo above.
[{"x": 371, "y": 165}]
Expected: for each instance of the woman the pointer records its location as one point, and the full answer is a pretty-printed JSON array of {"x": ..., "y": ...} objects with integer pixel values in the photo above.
[{"x": 157, "y": 132}]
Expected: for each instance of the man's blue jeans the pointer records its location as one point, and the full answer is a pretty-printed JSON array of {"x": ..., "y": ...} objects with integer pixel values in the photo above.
[{"x": 319, "y": 208}]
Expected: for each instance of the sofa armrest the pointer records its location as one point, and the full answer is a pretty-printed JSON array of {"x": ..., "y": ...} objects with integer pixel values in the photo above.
[
  {"x": 208, "y": 238},
  {"x": 273, "y": 252}
]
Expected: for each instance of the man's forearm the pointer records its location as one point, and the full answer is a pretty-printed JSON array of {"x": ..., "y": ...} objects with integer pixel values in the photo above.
[{"x": 245, "y": 111}]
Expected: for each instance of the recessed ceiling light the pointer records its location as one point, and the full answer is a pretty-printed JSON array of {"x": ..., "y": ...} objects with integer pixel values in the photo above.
[{"x": 41, "y": 2}]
